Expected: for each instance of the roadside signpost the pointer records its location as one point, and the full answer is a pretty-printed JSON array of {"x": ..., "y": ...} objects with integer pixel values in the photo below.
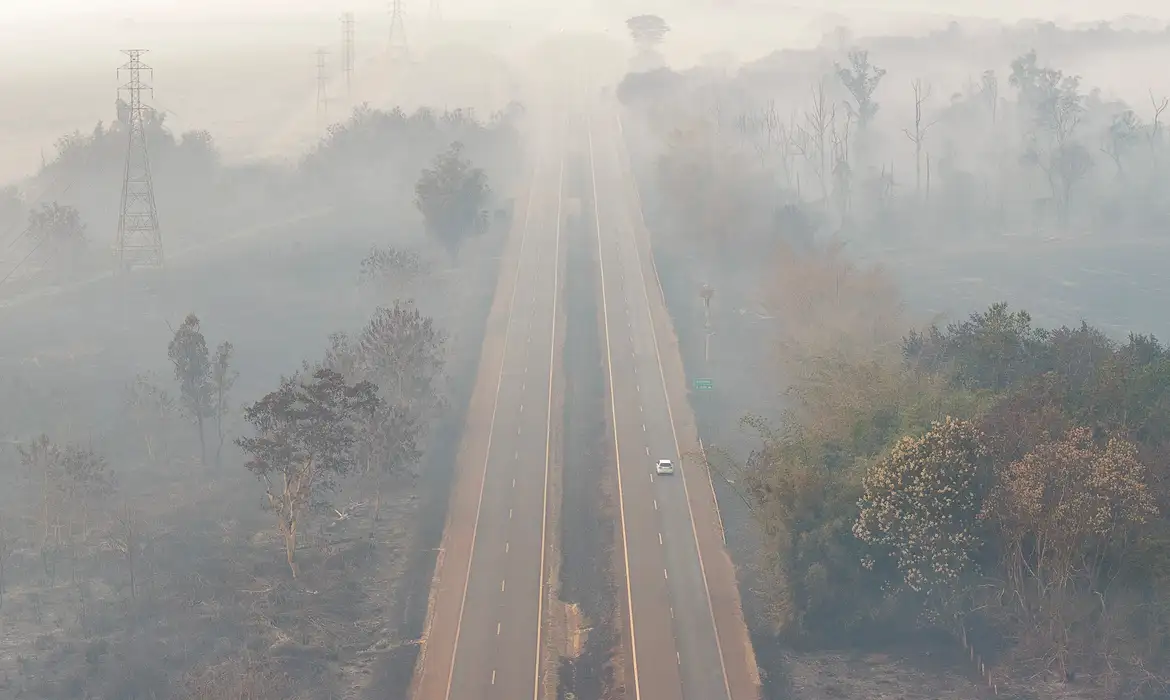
[{"x": 703, "y": 385}]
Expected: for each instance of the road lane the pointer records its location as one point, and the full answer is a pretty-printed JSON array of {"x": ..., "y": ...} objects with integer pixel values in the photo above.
[
  {"x": 485, "y": 636},
  {"x": 742, "y": 677},
  {"x": 703, "y": 674},
  {"x": 654, "y": 655}
]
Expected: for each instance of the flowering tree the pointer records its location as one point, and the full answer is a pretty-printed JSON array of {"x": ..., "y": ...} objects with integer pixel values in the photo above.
[
  {"x": 1067, "y": 513},
  {"x": 921, "y": 503}
]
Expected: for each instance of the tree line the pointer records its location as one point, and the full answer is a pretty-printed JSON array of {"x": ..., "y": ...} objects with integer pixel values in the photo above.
[
  {"x": 1028, "y": 150},
  {"x": 350, "y": 166}
]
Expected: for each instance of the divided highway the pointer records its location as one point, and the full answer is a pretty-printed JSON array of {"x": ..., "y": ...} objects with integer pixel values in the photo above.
[
  {"x": 486, "y": 636},
  {"x": 488, "y": 608}
]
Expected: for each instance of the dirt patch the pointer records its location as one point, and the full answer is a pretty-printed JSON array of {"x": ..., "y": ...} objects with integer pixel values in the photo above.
[{"x": 568, "y": 630}]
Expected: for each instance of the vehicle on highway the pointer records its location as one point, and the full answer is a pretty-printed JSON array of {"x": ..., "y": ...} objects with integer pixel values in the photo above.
[{"x": 664, "y": 466}]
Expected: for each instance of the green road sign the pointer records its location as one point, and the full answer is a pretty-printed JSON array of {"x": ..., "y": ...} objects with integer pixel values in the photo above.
[{"x": 704, "y": 385}]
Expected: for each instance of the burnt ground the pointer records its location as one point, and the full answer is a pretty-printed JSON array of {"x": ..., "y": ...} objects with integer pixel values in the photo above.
[
  {"x": 212, "y": 590},
  {"x": 586, "y": 523}
]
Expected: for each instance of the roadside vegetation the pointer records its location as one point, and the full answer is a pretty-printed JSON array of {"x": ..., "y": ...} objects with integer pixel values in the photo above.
[{"x": 998, "y": 482}]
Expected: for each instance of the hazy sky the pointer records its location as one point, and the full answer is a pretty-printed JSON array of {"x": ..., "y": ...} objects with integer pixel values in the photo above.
[{"x": 1072, "y": 10}]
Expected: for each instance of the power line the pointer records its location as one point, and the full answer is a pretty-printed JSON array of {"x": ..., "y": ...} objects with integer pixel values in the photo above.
[
  {"x": 322, "y": 88},
  {"x": 348, "y": 55},
  {"x": 399, "y": 50},
  {"x": 139, "y": 240},
  {"x": 23, "y": 260}
]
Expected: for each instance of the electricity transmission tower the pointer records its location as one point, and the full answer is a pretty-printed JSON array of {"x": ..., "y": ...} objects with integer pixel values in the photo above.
[
  {"x": 436, "y": 13},
  {"x": 399, "y": 51},
  {"x": 322, "y": 88},
  {"x": 139, "y": 241},
  {"x": 348, "y": 53}
]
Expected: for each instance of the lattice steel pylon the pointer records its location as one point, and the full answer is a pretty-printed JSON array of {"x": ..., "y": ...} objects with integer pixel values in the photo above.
[
  {"x": 399, "y": 49},
  {"x": 139, "y": 240},
  {"x": 347, "y": 51},
  {"x": 322, "y": 88},
  {"x": 436, "y": 12}
]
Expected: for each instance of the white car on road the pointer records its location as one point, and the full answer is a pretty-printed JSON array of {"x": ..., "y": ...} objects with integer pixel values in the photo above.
[{"x": 664, "y": 466}]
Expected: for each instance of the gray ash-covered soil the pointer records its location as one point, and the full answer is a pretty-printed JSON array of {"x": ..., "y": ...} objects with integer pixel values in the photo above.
[
  {"x": 586, "y": 526},
  {"x": 212, "y": 584}
]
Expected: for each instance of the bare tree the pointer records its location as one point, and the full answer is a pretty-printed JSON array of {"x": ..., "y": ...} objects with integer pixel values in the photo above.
[
  {"x": 150, "y": 408},
  {"x": 1056, "y": 106},
  {"x": 126, "y": 541},
  {"x": 188, "y": 353},
  {"x": 922, "y": 93},
  {"x": 306, "y": 439},
  {"x": 223, "y": 378},
  {"x": 818, "y": 126},
  {"x": 1154, "y": 136},
  {"x": 842, "y": 169},
  {"x": 1123, "y": 131},
  {"x": 989, "y": 91}
]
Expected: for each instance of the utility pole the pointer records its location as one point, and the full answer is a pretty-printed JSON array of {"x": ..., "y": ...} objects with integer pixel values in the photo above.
[
  {"x": 399, "y": 51},
  {"x": 348, "y": 55},
  {"x": 322, "y": 88},
  {"x": 139, "y": 241}
]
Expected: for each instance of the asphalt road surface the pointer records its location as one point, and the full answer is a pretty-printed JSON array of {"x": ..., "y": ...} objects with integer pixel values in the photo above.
[
  {"x": 485, "y": 640},
  {"x": 689, "y": 641},
  {"x": 487, "y": 612}
]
